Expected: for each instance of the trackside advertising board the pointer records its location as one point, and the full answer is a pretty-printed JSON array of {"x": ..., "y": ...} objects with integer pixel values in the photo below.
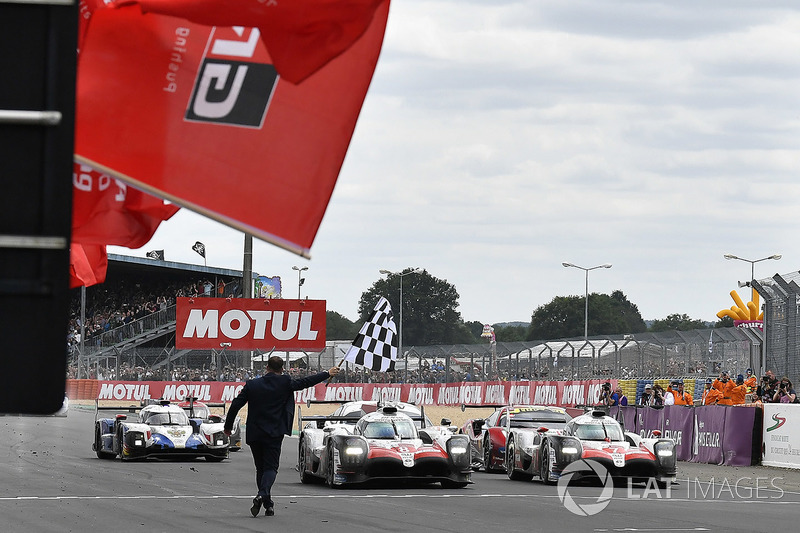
[
  {"x": 250, "y": 324},
  {"x": 781, "y": 435}
]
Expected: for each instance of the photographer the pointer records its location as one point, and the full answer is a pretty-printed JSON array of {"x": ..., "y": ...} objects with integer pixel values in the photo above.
[
  {"x": 619, "y": 398},
  {"x": 605, "y": 394},
  {"x": 785, "y": 392},
  {"x": 767, "y": 389},
  {"x": 658, "y": 397},
  {"x": 724, "y": 384}
]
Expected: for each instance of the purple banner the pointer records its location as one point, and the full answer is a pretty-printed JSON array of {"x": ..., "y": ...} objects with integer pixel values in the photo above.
[
  {"x": 650, "y": 419},
  {"x": 625, "y": 416},
  {"x": 679, "y": 426},
  {"x": 709, "y": 430},
  {"x": 737, "y": 438}
]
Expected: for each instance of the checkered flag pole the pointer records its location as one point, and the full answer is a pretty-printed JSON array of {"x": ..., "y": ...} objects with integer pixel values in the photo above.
[{"x": 375, "y": 346}]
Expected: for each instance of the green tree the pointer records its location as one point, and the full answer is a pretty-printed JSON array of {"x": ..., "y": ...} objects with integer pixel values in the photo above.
[
  {"x": 565, "y": 316},
  {"x": 475, "y": 328},
  {"x": 725, "y": 322},
  {"x": 677, "y": 322},
  {"x": 430, "y": 306},
  {"x": 339, "y": 327},
  {"x": 510, "y": 333}
]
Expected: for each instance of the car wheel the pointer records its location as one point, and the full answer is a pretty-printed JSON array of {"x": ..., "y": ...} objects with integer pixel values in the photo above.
[
  {"x": 662, "y": 484},
  {"x": 305, "y": 477},
  {"x": 118, "y": 449},
  {"x": 98, "y": 445},
  {"x": 487, "y": 455},
  {"x": 511, "y": 471},
  {"x": 330, "y": 473},
  {"x": 546, "y": 466}
]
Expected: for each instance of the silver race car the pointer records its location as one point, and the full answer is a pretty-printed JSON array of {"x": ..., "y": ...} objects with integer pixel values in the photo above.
[{"x": 160, "y": 430}]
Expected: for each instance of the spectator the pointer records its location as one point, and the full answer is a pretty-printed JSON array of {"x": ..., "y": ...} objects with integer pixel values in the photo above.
[
  {"x": 785, "y": 392},
  {"x": 750, "y": 381},
  {"x": 724, "y": 384},
  {"x": 739, "y": 391},
  {"x": 669, "y": 395},
  {"x": 619, "y": 398},
  {"x": 710, "y": 395},
  {"x": 658, "y": 396},
  {"x": 680, "y": 396},
  {"x": 647, "y": 396},
  {"x": 767, "y": 389},
  {"x": 605, "y": 394}
]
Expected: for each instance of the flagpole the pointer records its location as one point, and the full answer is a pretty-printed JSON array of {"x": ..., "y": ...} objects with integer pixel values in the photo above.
[{"x": 337, "y": 366}]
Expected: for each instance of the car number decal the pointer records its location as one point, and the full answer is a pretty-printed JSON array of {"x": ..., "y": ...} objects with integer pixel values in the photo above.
[
  {"x": 408, "y": 459},
  {"x": 619, "y": 459}
]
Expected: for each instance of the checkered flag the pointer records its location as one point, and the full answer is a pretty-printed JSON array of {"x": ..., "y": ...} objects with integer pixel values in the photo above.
[{"x": 375, "y": 346}]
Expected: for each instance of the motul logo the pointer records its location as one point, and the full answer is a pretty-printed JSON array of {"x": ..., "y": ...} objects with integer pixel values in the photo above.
[
  {"x": 237, "y": 324},
  {"x": 246, "y": 324}
]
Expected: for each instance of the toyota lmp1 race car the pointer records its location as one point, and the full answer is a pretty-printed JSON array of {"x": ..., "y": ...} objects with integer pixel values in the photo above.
[
  {"x": 547, "y": 452},
  {"x": 161, "y": 430},
  {"x": 201, "y": 410},
  {"x": 488, "y": 436},
  {"x": 384, "y": 445}
]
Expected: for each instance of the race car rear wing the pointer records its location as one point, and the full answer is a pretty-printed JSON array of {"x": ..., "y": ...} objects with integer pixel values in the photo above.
[
  {"x": 321, "y": 419},
  {"x": 117, "y": 408},
  {"x": 496, "y": 406}
]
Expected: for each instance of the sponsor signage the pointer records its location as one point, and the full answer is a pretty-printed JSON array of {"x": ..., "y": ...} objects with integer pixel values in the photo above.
[
  {"x": 781, "y": 435},
  {"x": 250, "y": 324}
]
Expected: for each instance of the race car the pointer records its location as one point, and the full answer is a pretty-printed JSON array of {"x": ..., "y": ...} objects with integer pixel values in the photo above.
[
  {"x": 351, "y": 412},
  {"x": 593, "y": 435},
  {"x": 201, "y": 410},
  {"x": 161, "y": 430},
  {"x": 488, "y": 436},
  {"x": 384, "y": 445}
]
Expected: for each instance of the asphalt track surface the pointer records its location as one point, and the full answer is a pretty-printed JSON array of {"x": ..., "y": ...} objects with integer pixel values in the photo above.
[{"x": 52, "y": 481}]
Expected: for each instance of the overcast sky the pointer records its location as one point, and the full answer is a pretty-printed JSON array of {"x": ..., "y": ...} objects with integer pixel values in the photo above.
[{"x": 502, "y": 138}]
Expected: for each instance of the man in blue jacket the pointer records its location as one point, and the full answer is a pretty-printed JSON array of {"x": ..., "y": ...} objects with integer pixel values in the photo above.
[{"x": 270, "y": 413}]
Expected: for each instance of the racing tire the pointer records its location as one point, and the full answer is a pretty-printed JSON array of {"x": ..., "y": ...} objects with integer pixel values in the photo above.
[
  {"x": 511, "y": 472},
  {"x": 98, "y": 447},
  {"x": 214, "y": 459},
  {"x": 450, "y": 484},
  {"x": 329, "y": 474},
  {"x": 305, "y": 477},
  {"x": 119, "y": 445},
  {"x": 487, "y": 455},
  {"x": 545, "y": 467},
  {"x": 662, "y": 484}
]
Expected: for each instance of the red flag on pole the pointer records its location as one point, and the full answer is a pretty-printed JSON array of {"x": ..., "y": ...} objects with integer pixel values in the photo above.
[
  {"x": 88, "y": 264},
  {"x": 200, "y": 116}
]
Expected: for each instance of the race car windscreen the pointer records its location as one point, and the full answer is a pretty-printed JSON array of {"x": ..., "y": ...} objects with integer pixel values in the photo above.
[
  {"x": 173, "y": 418},
  {"x": 600, "y": 431},
  {"x": 403, "y": 429},
  {"x": 532, "y": 419}
]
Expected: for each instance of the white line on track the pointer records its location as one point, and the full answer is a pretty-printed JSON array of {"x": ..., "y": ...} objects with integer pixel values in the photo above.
[{"x": 378, "y": 496}]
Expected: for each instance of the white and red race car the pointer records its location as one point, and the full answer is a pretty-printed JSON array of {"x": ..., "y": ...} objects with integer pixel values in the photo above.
[
  {"x": 591, "y": 436},
  {"x": 384, "y": 445}
]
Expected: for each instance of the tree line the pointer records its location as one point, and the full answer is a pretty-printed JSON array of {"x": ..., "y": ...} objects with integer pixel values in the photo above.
[{"x": 431, "y": 316}]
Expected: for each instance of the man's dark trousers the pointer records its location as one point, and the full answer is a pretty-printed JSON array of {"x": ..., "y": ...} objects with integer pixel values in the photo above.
[{"x": 266, "y": 456}]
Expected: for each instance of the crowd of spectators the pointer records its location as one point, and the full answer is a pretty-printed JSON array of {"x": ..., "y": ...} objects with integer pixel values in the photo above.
[{"x": 128, "y": 302}]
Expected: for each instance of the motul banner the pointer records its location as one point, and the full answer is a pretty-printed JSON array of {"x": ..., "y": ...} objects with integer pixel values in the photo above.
[
  {"x": 471, "y": 393},
  {"x": 250, "y": 324}
]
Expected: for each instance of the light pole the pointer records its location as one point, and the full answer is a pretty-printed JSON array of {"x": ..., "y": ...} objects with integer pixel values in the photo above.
[
  {"x": 752, "y": 269},
  {"x": 586, "y": 295},
  {"x": 400, "y": 323},
  {"x": 300, "y": 280}
]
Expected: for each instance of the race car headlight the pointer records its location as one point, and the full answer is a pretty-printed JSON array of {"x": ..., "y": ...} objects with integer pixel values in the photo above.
[
  {"x": 218, "y": 439},
  {"x": 458, "y": 449},
  {"x": 664, "y": 453},
  {"x": 135, "y": 438},
  {"x": 569, "y": 449},
  {"x": 354, "y": 450}
]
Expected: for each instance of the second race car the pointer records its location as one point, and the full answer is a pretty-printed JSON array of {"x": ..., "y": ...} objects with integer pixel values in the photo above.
[{"x": 592, "y": 436}]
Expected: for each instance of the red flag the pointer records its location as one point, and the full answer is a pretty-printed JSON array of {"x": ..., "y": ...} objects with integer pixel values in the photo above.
[
  {"x": 300, "y": 35},
  {"x": 198, "y": 115},
  {"x": 87, "y": 264},
  {"x": 107, "y": 211}
]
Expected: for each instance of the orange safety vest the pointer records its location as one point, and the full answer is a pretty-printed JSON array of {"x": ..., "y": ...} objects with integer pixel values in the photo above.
[
  {"x": 711, "y": 396},
  {"x": 738, "y": 394},
  {"x": 725, "y": 389},
  {"x": 751, "y": 383},
  {"x": 683, "y": 399}
]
